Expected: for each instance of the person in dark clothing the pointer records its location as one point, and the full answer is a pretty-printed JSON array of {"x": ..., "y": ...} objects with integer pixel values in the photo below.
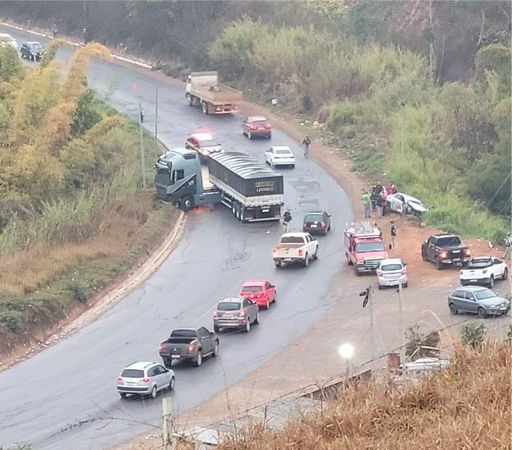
[
  {"x": 383, "y": 202},
  {"x": 306, "y": 143},
  {"x": 287, "y": 218}
]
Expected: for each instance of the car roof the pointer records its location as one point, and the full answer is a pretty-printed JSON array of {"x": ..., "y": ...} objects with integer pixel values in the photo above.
[
  {"x": 314, "y": 212},
  {"x": 254, "y": 282},
  {"x": 33, "y": 43},
  {"x": 141, "y": 365},
  {"x": 256, "y": 118},
  {"x": 296, "y": 233},
  {"x": 202, "y": 136},
  {"x": 483, "y": 257},
  {"x": 471, "y": 288},
  {"x": 232, "y": 300},
  {"x": 391, "y": 261},
  {"x": 444, "y": 235},
  {"x": 280, "y": 147}
]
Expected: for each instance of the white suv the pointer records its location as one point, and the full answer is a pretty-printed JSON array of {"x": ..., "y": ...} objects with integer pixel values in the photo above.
[
  {"x": 391, "y": 272},
  {"x": 145, "y": 378}
]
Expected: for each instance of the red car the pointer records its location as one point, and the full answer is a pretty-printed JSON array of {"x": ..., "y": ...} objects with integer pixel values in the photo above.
[
  {"x": 260, "y": 291},
  {"x": 257, "y": 126}
]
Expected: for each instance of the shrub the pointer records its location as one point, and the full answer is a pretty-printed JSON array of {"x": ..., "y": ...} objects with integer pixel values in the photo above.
[
  {"x": 78, "y": 291},
  {"x": 473, "y": 334},
  {"x": 11, "y": 320}
]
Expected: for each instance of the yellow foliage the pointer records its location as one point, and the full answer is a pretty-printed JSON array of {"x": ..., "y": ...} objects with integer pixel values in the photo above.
[
  {"x": 75, "y": 80},
  {"x": 56, "y": 126},
  {"x": 104, "y": 126}
]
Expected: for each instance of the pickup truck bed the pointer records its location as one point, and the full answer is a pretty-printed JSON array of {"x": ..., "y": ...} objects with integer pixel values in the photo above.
[
  {"x": 295, "y": 248},
  {"x": 189, "y": 344}
]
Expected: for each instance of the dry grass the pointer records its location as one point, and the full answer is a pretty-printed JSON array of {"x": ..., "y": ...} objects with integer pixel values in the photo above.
[
  {"x": 24, "y": 272},
  {"x": 467, "y": 407}
]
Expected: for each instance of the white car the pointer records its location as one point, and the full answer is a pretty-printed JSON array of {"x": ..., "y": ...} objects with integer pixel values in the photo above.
[
  {"x": 145, "y": 378},
  {"x": 7, "y": 39},
  {"x": 392, "y": 272},
  {"x": 406, "y": 204},
  {"x": 483, "y": 271},
  {"x": 280, "y": 156}
]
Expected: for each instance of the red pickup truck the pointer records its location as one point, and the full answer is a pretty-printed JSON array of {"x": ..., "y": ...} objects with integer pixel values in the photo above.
[{"x": 364, "y": 247}]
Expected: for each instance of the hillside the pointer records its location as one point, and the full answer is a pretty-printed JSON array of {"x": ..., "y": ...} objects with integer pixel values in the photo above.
[{"x": 465, "y": 407}]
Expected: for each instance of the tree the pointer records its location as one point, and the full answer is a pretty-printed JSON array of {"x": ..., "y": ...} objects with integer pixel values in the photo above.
[{"x": 85, "y": 115}]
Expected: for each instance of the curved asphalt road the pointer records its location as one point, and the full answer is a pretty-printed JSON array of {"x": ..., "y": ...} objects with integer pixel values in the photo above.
[{"x": 65, "y": 396}]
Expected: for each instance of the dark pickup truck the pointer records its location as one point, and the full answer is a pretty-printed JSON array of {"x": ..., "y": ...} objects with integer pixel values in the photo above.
[
  {"x": 189, "y": 344},
  {"x": 444, "y": 249}
]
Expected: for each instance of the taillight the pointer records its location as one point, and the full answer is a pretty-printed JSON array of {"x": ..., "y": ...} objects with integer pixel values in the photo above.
[
  {"x": 242, "y": 313},
  {"x": 274, "y": 250},
  {"x": 379, "y": 272},
  {"x": 120, "y": 380},
  {"x": 443, "y": 254},
  {"x": 191, "y": 347},
  {"x": 216, "y": 314},
  {"x": 160, "y": 347},
  {"x": 321, "y": 224},
  {"x": 300, "y": 252},
  {"x": 144, "y": 380},
  {"x": 403, "y": 271},
  {"x": 268, "y": 126}
]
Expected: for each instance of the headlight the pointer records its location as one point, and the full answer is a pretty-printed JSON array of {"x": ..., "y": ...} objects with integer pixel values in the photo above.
[
  {"x": 443, "y": 254},
  {"x": 360, "y": 262}
]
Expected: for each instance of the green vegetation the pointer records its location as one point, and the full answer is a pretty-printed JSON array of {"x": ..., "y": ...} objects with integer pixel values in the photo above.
[
  {"x": 473, "y": 334},
  {"x": 447, "y": 144},
  {"x": 73, "y": 216}
]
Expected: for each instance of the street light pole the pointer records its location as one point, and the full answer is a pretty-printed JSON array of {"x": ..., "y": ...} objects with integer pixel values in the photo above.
[
  {"x": 142, "y": 164},
  {"x": 401, "y": 325},
  {"x": 156, "y": 122}
]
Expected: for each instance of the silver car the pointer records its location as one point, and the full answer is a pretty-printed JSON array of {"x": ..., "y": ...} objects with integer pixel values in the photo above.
[
  {"x": 238, "y": 312},
  {"x": 392, "y": 272},
  {"x": 145, "y": 378},
  {"x": 477, "y": 300}
]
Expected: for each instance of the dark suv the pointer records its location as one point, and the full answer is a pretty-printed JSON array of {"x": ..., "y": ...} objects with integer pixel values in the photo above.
[
  {"x": 33, "y": 51},
  {"x": 444, "y": 249}
]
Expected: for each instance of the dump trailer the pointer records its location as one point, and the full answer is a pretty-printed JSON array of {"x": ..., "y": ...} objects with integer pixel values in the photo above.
[
  {"x": 203, "y": 88},
  {"x": 252, "y": 191}
]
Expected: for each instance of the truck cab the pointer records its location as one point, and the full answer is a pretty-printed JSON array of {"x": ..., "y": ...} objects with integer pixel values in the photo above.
[
  {"x": 364, "y": 247},
  {"x": 179, "y": 180}
]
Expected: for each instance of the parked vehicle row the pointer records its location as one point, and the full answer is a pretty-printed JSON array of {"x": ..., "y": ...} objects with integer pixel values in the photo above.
[{"x": 33, "y": 51}]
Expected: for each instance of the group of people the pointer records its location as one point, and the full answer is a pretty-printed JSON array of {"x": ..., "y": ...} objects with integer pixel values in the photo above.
[{"x": 377, "y": 198}]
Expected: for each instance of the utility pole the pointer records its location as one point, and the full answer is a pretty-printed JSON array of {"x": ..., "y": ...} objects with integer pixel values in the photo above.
[
  {"x": 401, "y": 326},
  {"x": 142, "y": 165},
  {"x": 167, "y": 428},
  {"x": 156, "y": 122}
]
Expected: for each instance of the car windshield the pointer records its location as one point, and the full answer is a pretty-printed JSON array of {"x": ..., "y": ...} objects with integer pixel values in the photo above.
[
  {"x": 484, "y": 293},
  {"x": 283, "y": 152},
  {"x": 292, "y": 240},
  {"x": 449, "y": 241},
  {"x": 390, "y": 267},
  {"x": 259, "y": 122},
  {"x": 36, "y": 46},
  {"x": 184, "y": 333},
  {"x": 313, "y": 218},
  {"x": 366, "y": 247},
  {"x": 228, "y": 306},
  {"x": 132, "y": 373},
  {"x": 479, "y": 263},
  {"x": 207, "y": 143},
  {"x": 252, "y": 288}
]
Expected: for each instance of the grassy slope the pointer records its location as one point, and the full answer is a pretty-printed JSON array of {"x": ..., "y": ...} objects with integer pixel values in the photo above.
[
  {"x": 42, "y": 285},
  {"x": 465, "y": 407}
]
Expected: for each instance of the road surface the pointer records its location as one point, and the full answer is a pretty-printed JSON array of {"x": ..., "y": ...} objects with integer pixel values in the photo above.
[{"x": 65, "y": 396}]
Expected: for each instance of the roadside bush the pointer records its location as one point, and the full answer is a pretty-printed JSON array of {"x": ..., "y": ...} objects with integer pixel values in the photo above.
[
  {"x": 11, "y": 320},
  {"x": 473, "y": 335},
  {"x": 78, "y": 292}
]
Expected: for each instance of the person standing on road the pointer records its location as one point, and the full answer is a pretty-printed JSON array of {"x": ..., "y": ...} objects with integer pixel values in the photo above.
[
  {"x": 287, "y": 218},
  {"x": 383, "y": 202},
  {"x": 393, "y": 231},
  {"x": 306, "y": 143},
  {"x": 365, "y": 198}
]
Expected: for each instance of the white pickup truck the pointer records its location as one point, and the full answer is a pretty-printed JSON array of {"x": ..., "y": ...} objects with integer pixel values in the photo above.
[
  {"x": 295, "y": 248},
  {"x": 483, "y": 271}
]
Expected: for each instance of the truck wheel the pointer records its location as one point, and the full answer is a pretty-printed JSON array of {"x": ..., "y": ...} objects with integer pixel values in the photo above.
[
  {"x": 257, "y": 318},
  {"x": 216, "y": 328},
  {"x": 205, "y": 108},
  {"x": 424, "y": 257},
  {"x": 171, "y": 384},
  {"x": 123, "y": 395},
  {"x": 168, "y": 362},
  {"x": 215, "y": 349},
  {"x": 249, "y": 135},
  {"x": 358, "y": 274},
  {"x": 242, "y": 215},
  {"x": 306, "y": 260},
  {"x": 439, "y": 264},
  {"x": 453, "y": 309},
  {"x": 153, "y": 392},
  {"x": 278, "y": 264},
  {"x": 247, "y": 326},
  {"x": 187, "y": 203},
  {"x": 349, "y": 261},
  {"x": 315, "y": 256},
  {"x": 199, "y": 358}
]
